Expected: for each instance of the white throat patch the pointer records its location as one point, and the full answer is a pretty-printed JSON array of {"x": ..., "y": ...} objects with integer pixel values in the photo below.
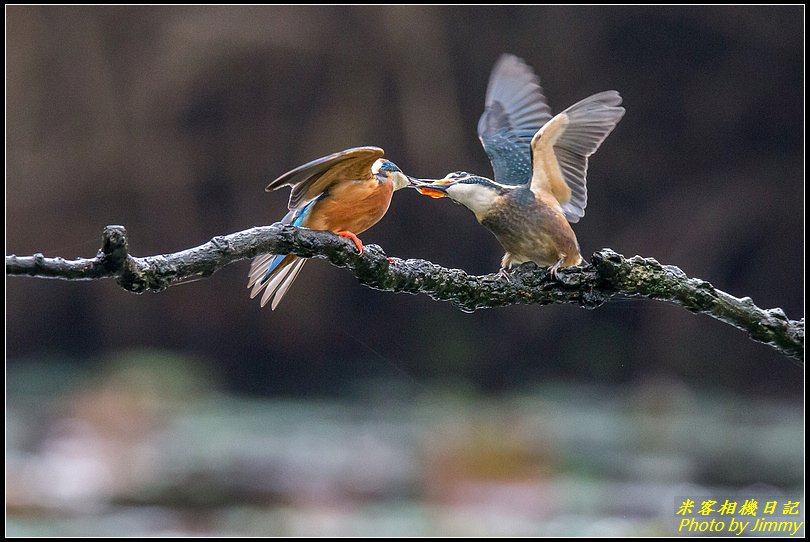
[{"x": 476, "y": 197}]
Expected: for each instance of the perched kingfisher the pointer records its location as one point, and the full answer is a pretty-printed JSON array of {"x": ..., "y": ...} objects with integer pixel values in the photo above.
[
  {"x": 346, "y": 193},
  {"x": 540, "y": 163}
]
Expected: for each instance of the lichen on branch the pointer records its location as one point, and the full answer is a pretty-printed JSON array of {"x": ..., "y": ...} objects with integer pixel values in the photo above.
[{"x": 608, "y": 275}]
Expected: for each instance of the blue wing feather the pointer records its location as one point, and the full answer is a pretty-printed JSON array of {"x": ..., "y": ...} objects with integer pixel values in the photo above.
[{"x": 515, "y": 110}]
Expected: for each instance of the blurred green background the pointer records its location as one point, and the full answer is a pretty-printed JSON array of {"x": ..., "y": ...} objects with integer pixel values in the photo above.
[{"x": 351, "y": 411}]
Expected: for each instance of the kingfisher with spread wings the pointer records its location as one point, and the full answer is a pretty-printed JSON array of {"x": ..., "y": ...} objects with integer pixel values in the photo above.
[
  {"x": 540, "y": 163},
  {"x": 346, "y": 193}
]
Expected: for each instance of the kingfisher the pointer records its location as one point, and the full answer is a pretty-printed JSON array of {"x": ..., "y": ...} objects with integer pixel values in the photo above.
[
  {"x": 346, "y": 193},
  {"x": 540, "y": 163}
]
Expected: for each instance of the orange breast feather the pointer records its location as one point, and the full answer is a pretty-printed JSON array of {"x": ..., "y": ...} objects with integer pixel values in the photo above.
[{"x": 352, "y": 206}]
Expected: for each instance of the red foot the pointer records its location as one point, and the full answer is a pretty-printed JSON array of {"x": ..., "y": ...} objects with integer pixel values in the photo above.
[
  {"x": 356, "y": 240},
  {"x": 390, "y": 260}
]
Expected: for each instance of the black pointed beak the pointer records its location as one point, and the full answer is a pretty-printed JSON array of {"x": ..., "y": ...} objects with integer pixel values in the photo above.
[{"x": 416, "y": 181}]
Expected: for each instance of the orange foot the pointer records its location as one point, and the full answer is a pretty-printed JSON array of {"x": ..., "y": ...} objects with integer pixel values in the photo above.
[{"x": 356, "y": 240}]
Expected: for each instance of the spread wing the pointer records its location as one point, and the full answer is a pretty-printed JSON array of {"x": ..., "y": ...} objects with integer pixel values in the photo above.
[
  {"x": 515, "y": 110},
  {"x": 311, "y": 179},
  {"x": 560, "y": 150}
]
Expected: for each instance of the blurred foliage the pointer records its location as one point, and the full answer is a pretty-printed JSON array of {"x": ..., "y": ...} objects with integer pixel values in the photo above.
[{"x": 143, "y": 445}]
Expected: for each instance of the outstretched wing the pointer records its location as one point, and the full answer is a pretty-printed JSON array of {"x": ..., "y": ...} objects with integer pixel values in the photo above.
[
  {"x": 311, "y": 179},
  {"x": 515, "y": 110},
  {"x": 560, "y": 150}
]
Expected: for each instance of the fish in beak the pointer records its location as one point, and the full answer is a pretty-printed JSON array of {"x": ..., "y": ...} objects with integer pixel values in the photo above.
[{"x": 434, "y": 188}]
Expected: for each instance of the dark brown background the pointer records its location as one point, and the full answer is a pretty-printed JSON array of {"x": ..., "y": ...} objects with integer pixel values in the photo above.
[{"x": 171, "y": 121}]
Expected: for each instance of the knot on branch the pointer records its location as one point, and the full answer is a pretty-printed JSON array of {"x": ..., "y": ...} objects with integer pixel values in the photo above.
[{"x": 114, "y": 248}]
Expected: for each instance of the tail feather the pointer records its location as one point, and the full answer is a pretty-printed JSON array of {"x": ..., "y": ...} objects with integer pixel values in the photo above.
[
  {"x": 259, "y": 268},
  {"x": 273, "y": 274},
  {"x": 272, "y": 283},
  {"x": 295, "y": 268}
]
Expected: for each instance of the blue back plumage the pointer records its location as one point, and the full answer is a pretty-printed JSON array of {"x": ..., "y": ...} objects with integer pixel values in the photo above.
[{"x": 515, "y": 110}]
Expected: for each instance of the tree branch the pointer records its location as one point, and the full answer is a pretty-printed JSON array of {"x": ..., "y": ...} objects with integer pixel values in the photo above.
[{"x": 608, "y": 275}]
